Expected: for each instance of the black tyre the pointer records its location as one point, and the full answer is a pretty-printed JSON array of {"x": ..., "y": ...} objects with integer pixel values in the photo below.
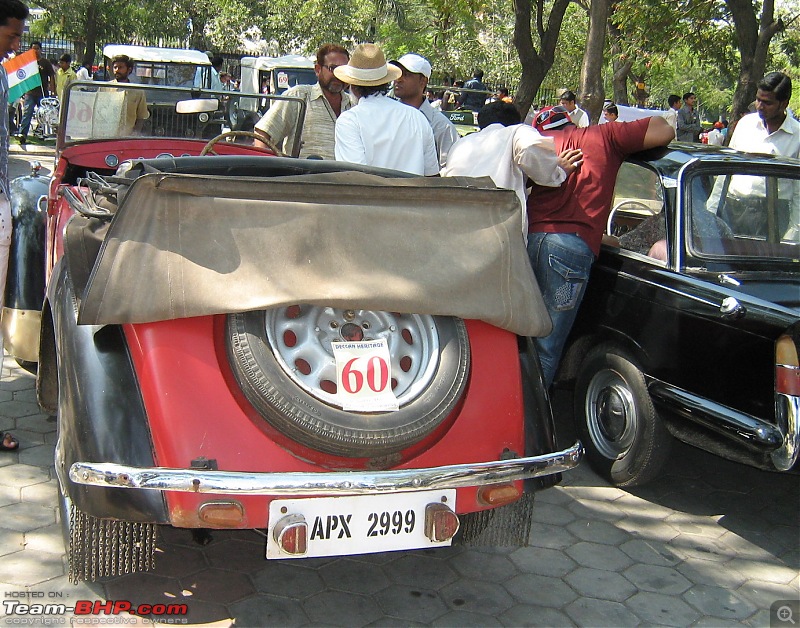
[
  {"x": 625, "y": 440},
  {"x": 283, "y": 361}
]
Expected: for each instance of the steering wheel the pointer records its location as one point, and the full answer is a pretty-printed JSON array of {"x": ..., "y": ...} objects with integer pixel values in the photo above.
[
  {"x": 611, "y": 227},
  {"x": 208, "y": 149}
]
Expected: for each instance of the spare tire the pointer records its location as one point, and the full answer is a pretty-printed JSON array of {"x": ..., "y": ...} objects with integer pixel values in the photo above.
[{"x": 284, "y": 363}]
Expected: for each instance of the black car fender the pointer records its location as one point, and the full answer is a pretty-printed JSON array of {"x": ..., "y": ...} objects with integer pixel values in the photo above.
[
  {"x": 581, "y": 342},
  {"x": 25, "y": 282},
  {"x": 540, "y": 431},
  {"x": 101, "y": 415}
]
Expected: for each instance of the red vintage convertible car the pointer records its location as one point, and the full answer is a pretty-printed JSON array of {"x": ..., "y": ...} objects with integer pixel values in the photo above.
[{"x": 232, "y": 338}]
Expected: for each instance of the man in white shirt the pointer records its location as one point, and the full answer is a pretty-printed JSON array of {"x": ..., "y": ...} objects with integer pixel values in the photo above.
[
  {"x": 381, "y": 131},
  {"x": 510, "y": 153},
  {"x": 84, "y": 73},
  {"x": 773, "y": 131},
  {"x": 410, "y": 89},
  {"x": 577, "y": 116},
  {"x": 671, "y": 114}
]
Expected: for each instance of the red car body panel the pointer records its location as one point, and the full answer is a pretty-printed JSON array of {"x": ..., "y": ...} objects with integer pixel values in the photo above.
[{"x": 181, "y": 376}]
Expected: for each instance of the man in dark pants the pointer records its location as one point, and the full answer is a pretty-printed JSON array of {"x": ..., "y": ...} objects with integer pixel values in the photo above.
[
  {"x": 33, "y": 97},
  {"x": 566, "y": 223},
  {"x": 12, "y": 23}
]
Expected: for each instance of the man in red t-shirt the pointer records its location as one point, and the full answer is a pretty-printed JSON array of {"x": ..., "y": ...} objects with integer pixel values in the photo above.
[{"x": 566, "y": 224}]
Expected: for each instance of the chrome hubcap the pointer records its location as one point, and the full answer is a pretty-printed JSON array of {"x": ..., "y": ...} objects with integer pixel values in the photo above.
[
  {"x": 301, "y": 335},
  {"x": 611, "y": 415}
]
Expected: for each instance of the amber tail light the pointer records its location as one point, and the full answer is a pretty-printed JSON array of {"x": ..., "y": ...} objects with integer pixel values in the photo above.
[
  {"x": 498, "y": 494},
  {"x": 787, "y": 367}
]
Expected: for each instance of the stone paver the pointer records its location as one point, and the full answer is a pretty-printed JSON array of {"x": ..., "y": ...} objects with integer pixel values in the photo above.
[{"x": 710, "y": 544}]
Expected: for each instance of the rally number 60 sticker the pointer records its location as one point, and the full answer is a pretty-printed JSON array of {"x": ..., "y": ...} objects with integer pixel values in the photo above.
[{"x": 364, "y": 376}]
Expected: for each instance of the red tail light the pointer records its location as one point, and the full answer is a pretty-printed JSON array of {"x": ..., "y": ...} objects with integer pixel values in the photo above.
[
  {"x": 441, "y": 523},
  {"x": 787, "y": 367},
  {"x": 291, "y": 535}
]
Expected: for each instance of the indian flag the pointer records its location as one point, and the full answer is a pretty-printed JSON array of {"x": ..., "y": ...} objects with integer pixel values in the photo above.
[{"x": 23, "y": 74}]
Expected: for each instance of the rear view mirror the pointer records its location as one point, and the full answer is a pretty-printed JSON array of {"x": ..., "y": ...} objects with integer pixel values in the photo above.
[{"x": 197, "y": 105}]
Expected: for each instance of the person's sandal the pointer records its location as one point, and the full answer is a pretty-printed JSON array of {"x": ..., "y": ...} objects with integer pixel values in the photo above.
[{"x": 9, "y": 442}]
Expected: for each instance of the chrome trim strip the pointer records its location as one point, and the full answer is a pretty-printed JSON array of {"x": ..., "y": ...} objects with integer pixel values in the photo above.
[
  {"x": 787, "y": 410},
  {"x": 661, "y": 286},
  {"x": 324, "y": 483},
  {"x": 715, "y": 416}
]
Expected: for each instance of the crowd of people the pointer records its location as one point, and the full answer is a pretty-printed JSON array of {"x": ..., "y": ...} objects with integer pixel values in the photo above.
[{"x": 562, "y": 168}]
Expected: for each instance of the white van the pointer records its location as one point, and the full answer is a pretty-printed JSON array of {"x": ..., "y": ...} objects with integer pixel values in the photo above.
[
  {"x": 276, "y": 74},
  {"x": 172, "y": 67}
]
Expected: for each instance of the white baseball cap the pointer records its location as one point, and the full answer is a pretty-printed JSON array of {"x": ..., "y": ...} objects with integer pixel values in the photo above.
[{"x": 414, "y": 63}]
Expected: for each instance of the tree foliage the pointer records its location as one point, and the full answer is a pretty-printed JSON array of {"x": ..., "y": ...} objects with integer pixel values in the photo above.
[{"x": 717, "y": 48}]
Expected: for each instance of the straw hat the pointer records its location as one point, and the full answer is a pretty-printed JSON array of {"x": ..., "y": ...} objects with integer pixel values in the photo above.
[{"x": 367, "y": 68}]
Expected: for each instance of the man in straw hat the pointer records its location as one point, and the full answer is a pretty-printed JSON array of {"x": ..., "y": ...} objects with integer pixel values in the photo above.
[{"x": 381, "y": 131}]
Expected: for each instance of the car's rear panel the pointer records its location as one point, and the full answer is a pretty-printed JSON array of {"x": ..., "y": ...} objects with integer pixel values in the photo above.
[{"x": 196, "y": 412}]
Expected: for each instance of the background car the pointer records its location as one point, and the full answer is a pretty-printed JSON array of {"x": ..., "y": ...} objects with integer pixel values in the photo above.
[
  {"x": 689, "y": 326},
  {"x": 336, "y": 354}
]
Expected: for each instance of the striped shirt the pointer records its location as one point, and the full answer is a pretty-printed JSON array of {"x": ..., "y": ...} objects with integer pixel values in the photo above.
[{"x": 317, "y": 138}]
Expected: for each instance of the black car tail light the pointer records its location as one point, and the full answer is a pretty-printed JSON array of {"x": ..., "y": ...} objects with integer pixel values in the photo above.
[{"x": 787, "y": 367}]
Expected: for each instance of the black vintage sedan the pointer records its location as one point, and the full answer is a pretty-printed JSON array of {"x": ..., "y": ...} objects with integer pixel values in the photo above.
[{"x": 690, "y": 327}]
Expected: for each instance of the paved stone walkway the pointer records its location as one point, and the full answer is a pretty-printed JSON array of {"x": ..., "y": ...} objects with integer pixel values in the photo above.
[{"x": 710, "y": 544}]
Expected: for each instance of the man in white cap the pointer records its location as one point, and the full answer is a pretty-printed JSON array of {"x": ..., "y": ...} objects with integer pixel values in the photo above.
[
  {"x": 381, "y": 131},
  {"x": 410, "y": 89}
]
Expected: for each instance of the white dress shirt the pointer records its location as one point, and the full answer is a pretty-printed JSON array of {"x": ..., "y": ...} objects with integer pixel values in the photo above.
[
  {"x": 751, "y": 135},
  {"x": 509, "y": 155},
  {"x": 445, "y": 133},
  {"x": 579, "y": 117},
  {"x": 383, "y": 132}
]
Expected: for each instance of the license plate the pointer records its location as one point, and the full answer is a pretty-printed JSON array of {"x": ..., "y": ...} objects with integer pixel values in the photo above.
[{"x": 363, "y": 524}]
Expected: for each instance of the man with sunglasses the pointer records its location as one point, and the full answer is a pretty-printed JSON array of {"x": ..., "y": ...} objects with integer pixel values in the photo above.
[{"x": 325, "y": 101}]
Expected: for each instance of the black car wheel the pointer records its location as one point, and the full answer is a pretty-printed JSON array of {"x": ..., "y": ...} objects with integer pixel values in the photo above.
[
  {"x": 284, "y": 363},
  {"x": 625, "y": 439}
]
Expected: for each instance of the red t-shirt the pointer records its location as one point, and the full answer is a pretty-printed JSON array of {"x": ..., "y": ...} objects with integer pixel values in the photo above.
[{"x": 582, "y": 203}]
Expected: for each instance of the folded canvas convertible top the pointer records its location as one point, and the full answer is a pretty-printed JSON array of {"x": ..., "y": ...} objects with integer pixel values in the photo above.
[{"x": 183, "y": 245}]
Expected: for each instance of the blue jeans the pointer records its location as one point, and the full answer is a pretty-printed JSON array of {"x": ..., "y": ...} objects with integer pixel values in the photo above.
[
  {"x": 28, "y": 108},
  {"x": 561, "y": 263}
]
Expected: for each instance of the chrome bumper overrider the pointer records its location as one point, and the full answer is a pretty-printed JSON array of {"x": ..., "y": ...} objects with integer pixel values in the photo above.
[{"x": 324, "y": 483}]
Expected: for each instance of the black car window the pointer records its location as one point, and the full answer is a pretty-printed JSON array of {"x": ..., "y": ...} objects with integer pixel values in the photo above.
[
  {"x": 637, "y": 210},
  {"x": 638, "y": 186},
  {"x": 749, "y": 215}
]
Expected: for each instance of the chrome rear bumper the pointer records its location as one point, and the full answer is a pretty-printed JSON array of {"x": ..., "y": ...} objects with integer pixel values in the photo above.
[{"x": 324, "y": 483}]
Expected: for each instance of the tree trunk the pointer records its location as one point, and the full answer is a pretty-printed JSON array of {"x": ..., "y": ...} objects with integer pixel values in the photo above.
[
  {"x": 535, "y": 64},
  {"x": 90, "y": 29},
  {"x": 621, "y": 65},
  {"x": 592, "y": 92},
  {"x": 752, "y": 39}
]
